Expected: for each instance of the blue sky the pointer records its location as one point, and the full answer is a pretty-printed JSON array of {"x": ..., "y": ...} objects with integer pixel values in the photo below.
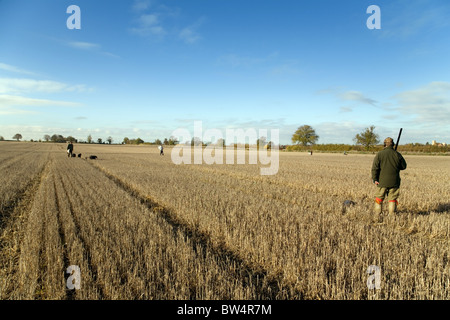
[{"x": 146, "y": 68}]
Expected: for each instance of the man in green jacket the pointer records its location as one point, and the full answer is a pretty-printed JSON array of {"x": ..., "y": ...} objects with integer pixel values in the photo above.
[{"x": 386, "y": 176}]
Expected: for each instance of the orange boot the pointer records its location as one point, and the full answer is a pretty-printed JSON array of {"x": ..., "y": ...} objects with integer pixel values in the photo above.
[
  {"x": 378, "y": 205},
  {"x": 393, "y": 206}
]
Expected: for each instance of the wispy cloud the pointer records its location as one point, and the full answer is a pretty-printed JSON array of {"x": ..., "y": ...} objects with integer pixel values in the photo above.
[
  {"x": 9, "y": 104},
  {"x": 357, "y": 97},
  {"x": 9, "y": 101},
  {"x": 149, "y": 24},
  {"x": 406, "y": 21},
  {"x": 190, "y": 34},
  {"x": 89, "y": 46},
  {"x": 14, "y": 69},
  {"x": 14, "y": 94},
  {"x": 271, "y": 65},
  {"x": 337, "y": 132},
  {"x": 348, "y": 96},
  {"x": 22, "y": 85},
  {"x": 159, "y": 21},
  {"x": 286, "y": 68},
  {"x": 345, "y": 109},
  {"x": 7, "y": 111},
  {"x": 83, "y": 45},
  {"x": 429, "y": 105},
  {"x": 141, "y": 5},
  {"x": 330, "y": 90}
]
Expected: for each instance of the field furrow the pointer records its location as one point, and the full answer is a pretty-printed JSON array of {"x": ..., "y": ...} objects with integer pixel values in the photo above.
[
  {"x": 74, "y": 247},
  {"x": 140, "y": 227},
  {"x": 267, "y": 285},
  {"x": 284, "y": 226},
  {"x": 13, "y": 234},
  {"x": 118, "y": 266},
  {"x": 16, "y": 179}
]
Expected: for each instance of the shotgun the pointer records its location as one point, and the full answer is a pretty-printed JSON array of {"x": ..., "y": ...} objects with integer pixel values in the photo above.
[{"x": 398, "y": 139}]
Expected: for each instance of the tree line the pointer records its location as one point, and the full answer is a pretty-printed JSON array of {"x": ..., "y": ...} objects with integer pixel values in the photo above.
[{"x": 304, "y": 138}]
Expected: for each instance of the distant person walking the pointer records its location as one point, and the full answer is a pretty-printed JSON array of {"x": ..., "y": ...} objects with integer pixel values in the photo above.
[
  {"x": 386, "y": 169},
  {"x": 161, "y": 150},
  {"x": 69, "y": 149}
]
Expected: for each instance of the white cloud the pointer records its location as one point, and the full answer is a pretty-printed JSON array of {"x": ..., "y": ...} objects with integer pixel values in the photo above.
[
  {"x": 345, "y": 109},
  {"x": 190, "y": 34},
  {"x": 10, "y": 101},
  {"x": 14, "y": 93},
  {"x": 10, "y": 111},
  {"x": 429, "y": 105},
  {"x": 406, "y": 21},
  {"x": 10, "y": 68},
  {"x": 271, "y": 65},
  {"x": 149, "y": 24},
  {"x": 337, "y": 132},
  {"x": 88, "y": 46},
  {"x": 141, "y": 5},
  {"x": 351, "y": 95},
  {"x": 162, "y": 21},
  {"x": 21, "y": 85},
  {"x": 358, "y": 97},
  {"x": 83, "y": 45},
  {"x": 81, "y": 133},
  {"x": 9, "y": 104},
  {"x": 148, "y": 20}
]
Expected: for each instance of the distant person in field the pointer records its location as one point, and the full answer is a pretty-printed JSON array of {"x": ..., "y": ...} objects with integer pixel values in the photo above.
[
  {"x": 69, "y": 149},
  {"x": 386, "y": 169},
  {"x": 161, "y": 150}
]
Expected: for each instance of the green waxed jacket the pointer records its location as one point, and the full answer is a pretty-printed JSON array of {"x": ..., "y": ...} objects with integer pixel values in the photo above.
[{"x": 386, "y": 168}]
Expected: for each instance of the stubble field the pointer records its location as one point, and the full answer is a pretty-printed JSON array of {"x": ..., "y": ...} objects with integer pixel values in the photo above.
[{"x": 140, "y": 227}]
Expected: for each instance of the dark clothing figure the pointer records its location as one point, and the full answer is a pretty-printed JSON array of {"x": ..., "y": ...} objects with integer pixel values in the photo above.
[
  {"x": 161, "y": 150},
  {"x": 69, "y": 149},
  {"x": 386, "y": 169}
]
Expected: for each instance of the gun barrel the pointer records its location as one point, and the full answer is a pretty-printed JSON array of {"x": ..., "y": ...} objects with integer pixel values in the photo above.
[{"x": 398, "y": 139}]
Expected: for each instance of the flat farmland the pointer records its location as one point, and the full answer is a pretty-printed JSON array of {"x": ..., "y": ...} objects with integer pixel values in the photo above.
[{"x": 140, "y": 227}]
